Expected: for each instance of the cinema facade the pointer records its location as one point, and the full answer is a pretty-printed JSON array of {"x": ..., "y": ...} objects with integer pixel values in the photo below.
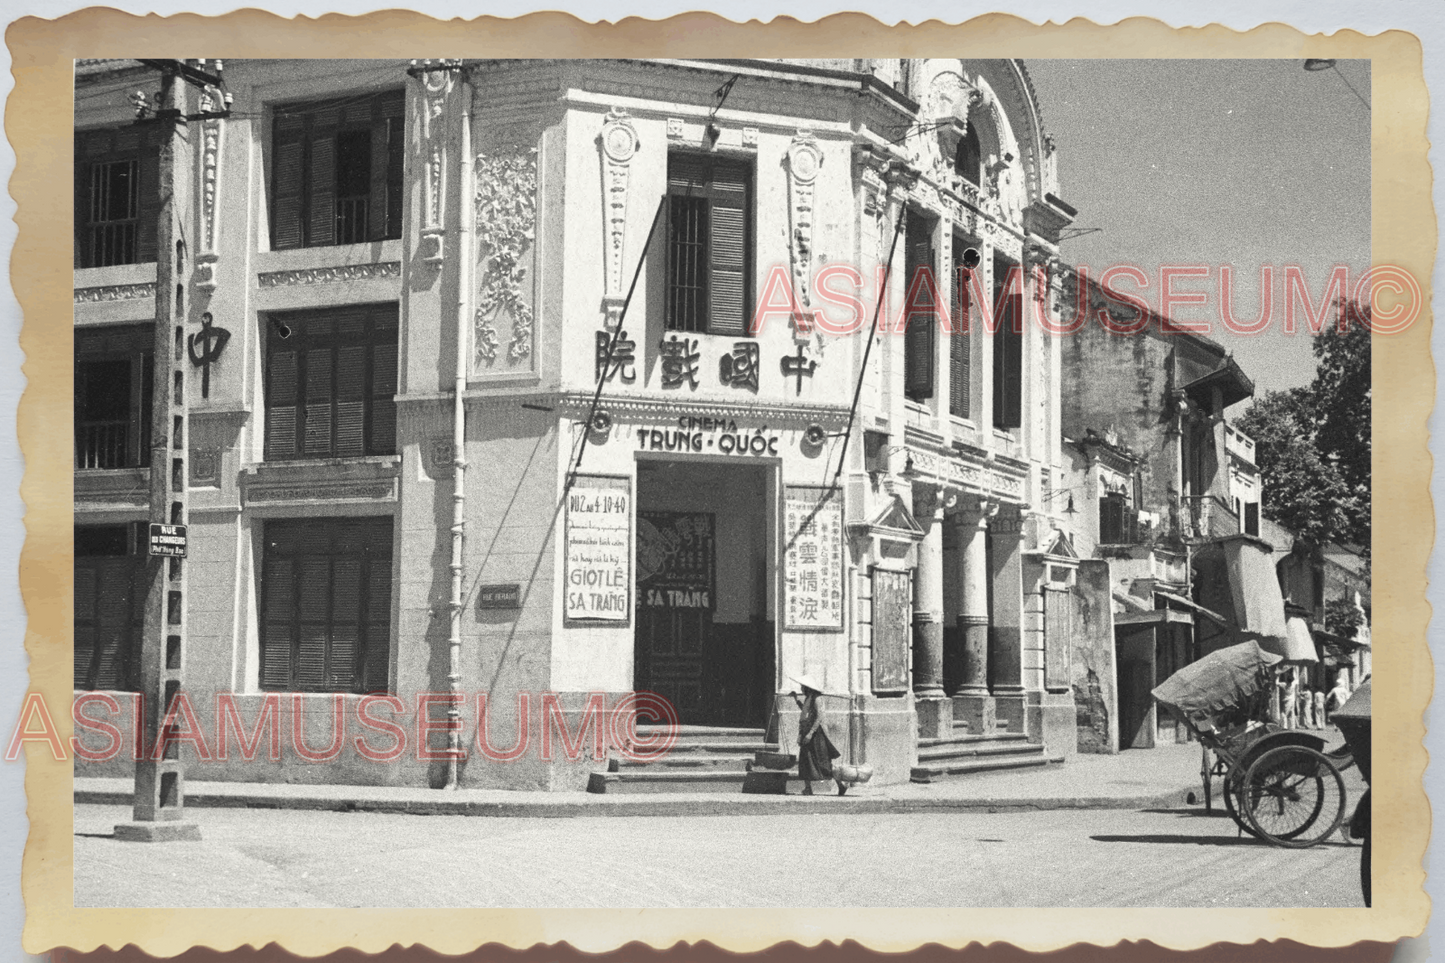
[{"x": 650, "y": 494}]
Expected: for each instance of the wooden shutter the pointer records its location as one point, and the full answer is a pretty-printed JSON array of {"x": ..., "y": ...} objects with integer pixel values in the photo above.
[
  {"x": 278, "y": 599},
  {"x": 1007, "y": 350},
  {"x": 281, "y": 404},
  {"x": 383, "y": 397},
  {"x": 960, "y": 343},
  {"x": 288, "y": 183},
  {"x": 377, "y": 656},
  {"x": 316, "y": 433},
  {"x": 113, "y": 622},
  {"x": 86, "y": 586},
  {"x": 727, "y": 249},
  {"x": 350, "y": 400},
  {"x": 321, "y": 191},
  {"x": 918, "y": 354},
  {"x": 345, "y": 649},
  {"x": 148, "y": 198},
  {"x": 387, "y": 158}
]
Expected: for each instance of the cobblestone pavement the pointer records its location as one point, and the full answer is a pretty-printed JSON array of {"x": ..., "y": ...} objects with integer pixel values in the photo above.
[{"x": 1168, "y": 858}]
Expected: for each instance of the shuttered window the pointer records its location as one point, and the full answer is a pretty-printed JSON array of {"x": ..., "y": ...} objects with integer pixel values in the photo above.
[
  {"x": 709, "y": 240},
  {"x": 1008, "y": 349},
  {"x": 326, "y": 605},
  {"x": 110, "y": 595},
  {"x": 959, "y": 344},
  {"x": 918, "y": 352},
  {"x": 113, "y": 388},
  {"x": 117, "y": 195},
  {"x": 330, "y": 383},
  {"x": 336, "y": 171}
]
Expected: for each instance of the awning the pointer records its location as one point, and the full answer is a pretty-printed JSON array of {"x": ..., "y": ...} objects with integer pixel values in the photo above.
[
  {"x": 1193, "y": 607},
  {"x": 1258, "y": 604},
  {"x": 1299, "y": 645}
]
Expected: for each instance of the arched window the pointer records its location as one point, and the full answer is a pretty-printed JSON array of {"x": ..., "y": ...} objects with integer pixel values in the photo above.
[{"x": 968, "y": 159}]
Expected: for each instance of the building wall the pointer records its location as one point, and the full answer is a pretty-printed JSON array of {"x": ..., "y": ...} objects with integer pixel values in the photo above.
[{"x": 517, "y": 249}]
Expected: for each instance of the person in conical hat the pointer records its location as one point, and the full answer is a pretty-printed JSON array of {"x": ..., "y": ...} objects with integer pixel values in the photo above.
[{"x": 816, "y": 751}]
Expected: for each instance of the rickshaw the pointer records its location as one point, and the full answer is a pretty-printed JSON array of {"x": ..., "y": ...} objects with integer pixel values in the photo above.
[{"x": 1279, "y": 784}]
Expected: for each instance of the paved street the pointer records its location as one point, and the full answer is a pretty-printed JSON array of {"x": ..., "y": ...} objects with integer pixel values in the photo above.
[{"x": 275, "y": 858}]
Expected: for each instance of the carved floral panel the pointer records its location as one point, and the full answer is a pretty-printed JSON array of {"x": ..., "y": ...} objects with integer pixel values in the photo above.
[{"x": 506, "y": 198}]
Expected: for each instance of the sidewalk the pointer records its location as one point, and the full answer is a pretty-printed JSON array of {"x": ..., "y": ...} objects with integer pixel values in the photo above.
[{"x": 1135, "y": 779}]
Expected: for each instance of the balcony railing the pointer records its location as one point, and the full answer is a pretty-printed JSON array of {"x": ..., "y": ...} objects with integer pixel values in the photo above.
[
  {"x": 351, "y": 219},
  {"x": 1210, "y": 517},
  {"x": 112, "y": 243},
  {"x": 106, "y": 444}
]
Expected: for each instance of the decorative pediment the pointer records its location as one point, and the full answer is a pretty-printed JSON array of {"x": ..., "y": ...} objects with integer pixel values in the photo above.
[
  {"x": 1060, "y": 547},
  {"x": 896, "y": 517}
]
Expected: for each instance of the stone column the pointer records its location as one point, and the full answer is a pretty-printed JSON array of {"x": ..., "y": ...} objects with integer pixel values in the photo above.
[
  {"x": 935, "y": 713},
  {"x": 972, "y": 703},
  {"x": 1005, "y": 657}
]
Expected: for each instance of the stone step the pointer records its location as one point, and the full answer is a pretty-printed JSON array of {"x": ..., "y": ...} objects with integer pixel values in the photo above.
[
  {"x": 687, "y": 737},
  {"x": 944, "y": 755},
  {"x": 651, "y": 780},
  {"x": 968, "y": 739},
  {"x": 686, "y": 761},
  {"x": 740, "y": 749},
  {"x": 932, "y": 754},
  {"x": 936, "y": 772}
]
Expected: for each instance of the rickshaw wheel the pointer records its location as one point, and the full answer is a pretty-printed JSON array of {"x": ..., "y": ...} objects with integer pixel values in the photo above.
[
  {"x": 1293, "y": 796},
  {"x": 1231, "y": 806}
]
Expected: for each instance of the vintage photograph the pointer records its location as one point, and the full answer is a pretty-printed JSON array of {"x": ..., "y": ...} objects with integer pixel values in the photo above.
[{"x": 724, "y": 483}]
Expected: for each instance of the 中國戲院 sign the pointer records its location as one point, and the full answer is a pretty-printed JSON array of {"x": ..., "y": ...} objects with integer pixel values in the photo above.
[
  {"x": 599, "y": 550},
  {"x": 813, "y": 562}
]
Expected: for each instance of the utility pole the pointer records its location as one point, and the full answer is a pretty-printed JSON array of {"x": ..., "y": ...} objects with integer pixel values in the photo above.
[{"x": 158, "y": 812}]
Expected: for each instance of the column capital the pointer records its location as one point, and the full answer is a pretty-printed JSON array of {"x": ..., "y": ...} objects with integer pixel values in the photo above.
[
  {"x": 932, "y": 501},
  {"x": 973, "y": 510}
]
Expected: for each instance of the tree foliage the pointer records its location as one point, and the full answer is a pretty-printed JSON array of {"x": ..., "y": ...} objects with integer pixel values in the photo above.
[{"x": 1313, "y": 443}]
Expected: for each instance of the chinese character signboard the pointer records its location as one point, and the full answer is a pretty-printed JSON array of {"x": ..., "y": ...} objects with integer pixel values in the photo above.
[
  {"x": 813, "y": 559},
  {"x": 675, "y": 567},
  {"x": 892, "y": 615},
  {"x": 599, "y": 550}
]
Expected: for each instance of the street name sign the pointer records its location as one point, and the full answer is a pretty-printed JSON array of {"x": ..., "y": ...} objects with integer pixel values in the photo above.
[{"x": 168, "y": 540}]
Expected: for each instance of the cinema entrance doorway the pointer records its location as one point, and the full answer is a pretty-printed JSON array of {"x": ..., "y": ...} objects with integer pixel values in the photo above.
[{"x": 705, "y": 636}]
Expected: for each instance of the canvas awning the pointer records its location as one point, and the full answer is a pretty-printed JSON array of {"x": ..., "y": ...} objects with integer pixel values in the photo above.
[
  {"x": 1258, "y": 603},
  {"x": 1299, "y": 645}
]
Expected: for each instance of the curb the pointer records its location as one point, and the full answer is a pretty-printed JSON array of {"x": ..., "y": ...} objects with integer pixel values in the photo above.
[{"x": 639, "y": 805}]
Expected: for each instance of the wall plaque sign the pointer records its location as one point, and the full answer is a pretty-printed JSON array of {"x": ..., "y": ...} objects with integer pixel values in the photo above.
[
  {"x": 598, "y": 572},
  {"x": 504, "y": 596},
  {"x": 813, "y": 558},
  {"x": 892, "y": 615}
]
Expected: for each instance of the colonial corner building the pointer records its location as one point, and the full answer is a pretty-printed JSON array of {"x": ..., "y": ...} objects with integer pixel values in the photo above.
[{"x": 560, "y": 263}]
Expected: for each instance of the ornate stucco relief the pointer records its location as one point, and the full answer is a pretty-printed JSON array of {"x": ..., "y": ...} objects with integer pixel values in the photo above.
[
  {"x": 804, "y": 158},
  {"x": 437, "y": 85},
  {"x": 618, "y": 143},
  {"x": 506, "y": 199},
  {"x": 115, "y": 292},
  {"x": 212, "y": 131},
  {"x": 327, "y": 275}
]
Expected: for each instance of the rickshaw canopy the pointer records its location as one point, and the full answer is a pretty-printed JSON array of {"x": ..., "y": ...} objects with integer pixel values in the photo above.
[{"x": 1219, "y": 682}]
